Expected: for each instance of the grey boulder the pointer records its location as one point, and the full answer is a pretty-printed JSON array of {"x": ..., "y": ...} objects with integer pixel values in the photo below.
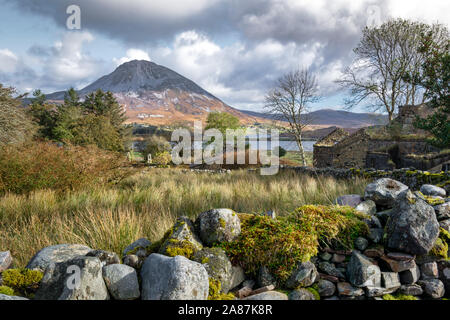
[
  {"x": 433, "y": 288},
  {"x": 121, "y": 281},
  {"x": 368, "y": 207},
  {"x": 412, "y": 227},
  {"x": 165, "y": 278},
  {"x": 301, "y": 294},
  {"x": 55, "y": 254},
  {"x": 434, "y": 191},
  {"x": 326, "y": 288},
  {"x": 304, "y": 275},
  {"x": 77, "y": 279},
  {"x": 361, "y": 272},
  {"x": 5, "y": 260},
  {"x": 384, "y": 192},
  {"x": 140, "y": 244},
  {"x": 218, "y": 225},
  {"x": 106, "y": 257}
]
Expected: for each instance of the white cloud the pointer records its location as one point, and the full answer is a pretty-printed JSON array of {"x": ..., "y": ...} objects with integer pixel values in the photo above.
[
  {"x": 132, "y": 54},
  {"x": 8, "y": 61}
]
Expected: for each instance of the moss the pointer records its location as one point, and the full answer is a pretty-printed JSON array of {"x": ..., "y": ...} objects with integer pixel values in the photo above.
[
  {"x": 280, "y": 244},
  {"x": 205, "y": 260},
  {"x": 398, "y": 297},
  {"x": 180, "y": 248},
  {"x": 6, "y": 291},
  {"x": 22, "y": 281},
  {"x": 314, "y": 292},
  {"x": 214, "y": 291},
  {"x": 222, "y": 223},
  {"x": 440, "y": 249}
]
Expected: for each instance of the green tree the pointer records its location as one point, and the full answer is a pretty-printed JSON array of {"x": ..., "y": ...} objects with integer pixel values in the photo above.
[
  {"x": 43, "y": 114},
  {"x": 155, "y": 145},
  {"x": 222, "y": 121},
  {"x": 435, "y": 80},
  {"x": 15, "y": 125}
]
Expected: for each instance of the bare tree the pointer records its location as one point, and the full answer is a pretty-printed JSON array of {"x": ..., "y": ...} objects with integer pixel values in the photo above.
[
  {"x": 290, "y": 101},
  {"x": 385, "y": 56}
]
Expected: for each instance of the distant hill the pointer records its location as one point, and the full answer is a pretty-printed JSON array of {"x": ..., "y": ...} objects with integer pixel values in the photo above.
[{"x": 337, "y": 118}]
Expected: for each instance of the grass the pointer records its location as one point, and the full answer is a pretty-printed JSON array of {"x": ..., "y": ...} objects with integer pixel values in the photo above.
[
  {"x": 293, "y": 158},
  {"x": 147, "y": 204}
]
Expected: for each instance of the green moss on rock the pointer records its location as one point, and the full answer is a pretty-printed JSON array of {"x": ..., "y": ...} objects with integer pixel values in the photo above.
[
  {"x": 6, "y": 291},
  {"x": 22, "y": 281}
]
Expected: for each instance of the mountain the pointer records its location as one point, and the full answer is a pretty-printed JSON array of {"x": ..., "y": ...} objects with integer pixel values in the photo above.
[
  {"x": 337, "y": 118},
  {"x": 156, "y": 95},
  {"x": 153, "y": 94}
]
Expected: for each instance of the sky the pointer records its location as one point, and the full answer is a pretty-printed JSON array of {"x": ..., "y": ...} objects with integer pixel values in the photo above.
[{"x": 234, "y": 49}]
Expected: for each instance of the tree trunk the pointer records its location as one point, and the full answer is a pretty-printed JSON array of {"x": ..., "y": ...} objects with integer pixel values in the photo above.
[{"x": 302, "y": 151}]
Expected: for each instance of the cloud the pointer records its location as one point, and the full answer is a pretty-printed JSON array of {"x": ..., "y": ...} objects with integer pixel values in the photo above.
[
  {"x": 8, "y": 61},
  {"x": 132, "y": 54}
]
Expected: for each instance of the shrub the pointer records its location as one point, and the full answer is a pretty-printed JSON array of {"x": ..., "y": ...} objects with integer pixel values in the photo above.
[
  {"x": 22, "y": 281},
  {"x": 280, "y": 244},
  {"x": 42, "y": 165},
  {"x": 155, "y": 145},
  {"x": 162, "y": 158}
]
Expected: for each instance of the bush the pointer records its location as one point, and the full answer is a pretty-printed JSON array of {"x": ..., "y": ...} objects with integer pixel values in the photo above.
[
  {"x": 42, "y": 165},
  {"x": 155, "y": 145},
  {"x": 280, "y": 244},
  {"x": 281, "y": 152}
]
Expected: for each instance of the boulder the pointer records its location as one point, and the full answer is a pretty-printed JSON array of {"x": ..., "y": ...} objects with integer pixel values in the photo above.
[
  {"x": 444, "y": 276},
  {"x": 326, "y": 288},
  {"x": 165, "y": 278},
  {"x": 434, "y": 191},
  {"x": 133, "y": 261},
  {"x": 368, "y": 207},
  {"x": 217, "y": 265},
  {"x": 347, "y": 290},
  {"x": 412, "y": 227},
  {"x": 269, "y": 295},
  {"x": 5, "y": 260},
  {"x": 77, "y": 279},
  {"x": 301, "y": 294},
  {"x": 384, "y": 192},
  {"x": 133, "y": 248},
  {"x": 218, "y": 225},
  {"x": 106, "y": 257},
  {"x": 433, "y": 288},
  {"x": 182, "y": 240},
  {"x": 410, "y": 276},
  {"x": 55, "y": 254},
  {"x": 351, "y": 200},
  {"x": 429, "y": 271},
  {"x": 121, "y": 281},
  {"x": 361, "y": 272},
  {"x": 411, "y": 290},
  {"x": 304, "y": 275}
]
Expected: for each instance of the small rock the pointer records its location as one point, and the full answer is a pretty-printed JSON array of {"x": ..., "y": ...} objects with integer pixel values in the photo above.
[
  {"x": 433, "y": 288},
  {"x": 346, "y": 289},
  {"x": 5, "y": 297},
  {"x": 325, "y": 256},
  {"x": 397, "y": 265},
  {"x": 442, "y": 211},
  {"x": 133, "y": 261},
  {"x": 373, "y": 222},
  {"x": 411, "y": 290},
  {"x": 429, "y": 271},
  {"x": 304, "y": 275},
  {"x": 326, "y": 288},
  {"x": 238, "y": 276},
  {"x": 330, "y": 269},
  {"x": 351, "y": 200},
  {"x": 338, "y": 258},
  {"x": 165, "y": 278},
  {"x": 55, "y": 254},
  {"x": 368, "y": 207},
  {"x": 121, "y": 281},
  {"x": 270, "y": 295},
  {"x": 400, "y": 256},
  {"x": 390, "y": 280},
  {"x": 329, "y": 278},
  {"x": 105, "y": 257},
  {"x": 301, "y": 294},
  {"x": 271, "y": 214},
  {"x": 445, "y": 278},
  {"x": 445, "y": 224},
  {"x": 376, "y": 235},
  {"x": 410, "y": 276},
  {"x": 383, "y": 216},
  {"x": 265, "y": 278},
  {"x": 375, "y": 252},
  {"x": 135, "y": 246},
  {"x": 384, "y": 192},
  {"x": 361, "y": 243},
  {"x": 218, "y": 225},
  {"x": 5, "y": 260},
  {"x": 361, "y": 272},
  {"x": 434, "y": 191}
]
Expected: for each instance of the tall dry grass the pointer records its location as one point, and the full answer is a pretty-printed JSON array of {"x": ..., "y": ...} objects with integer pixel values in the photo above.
[{"x": 147, "y": 204}]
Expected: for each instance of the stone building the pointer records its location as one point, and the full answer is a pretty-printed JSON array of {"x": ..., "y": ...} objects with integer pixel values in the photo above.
[{"x": 396, "y": 145}]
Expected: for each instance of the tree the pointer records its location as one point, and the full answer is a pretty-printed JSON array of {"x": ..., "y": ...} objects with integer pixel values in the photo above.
[
  {"x": 384, "y": 56},
  {"x": 290, "y": 101},
  {"x": 222, "y": 121},
  {"x": 435, "y": 79},
  {"x": 15, "y": 125},
  {"x": 43, "y": 114},
  {"x": 155, "y": 145}
]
